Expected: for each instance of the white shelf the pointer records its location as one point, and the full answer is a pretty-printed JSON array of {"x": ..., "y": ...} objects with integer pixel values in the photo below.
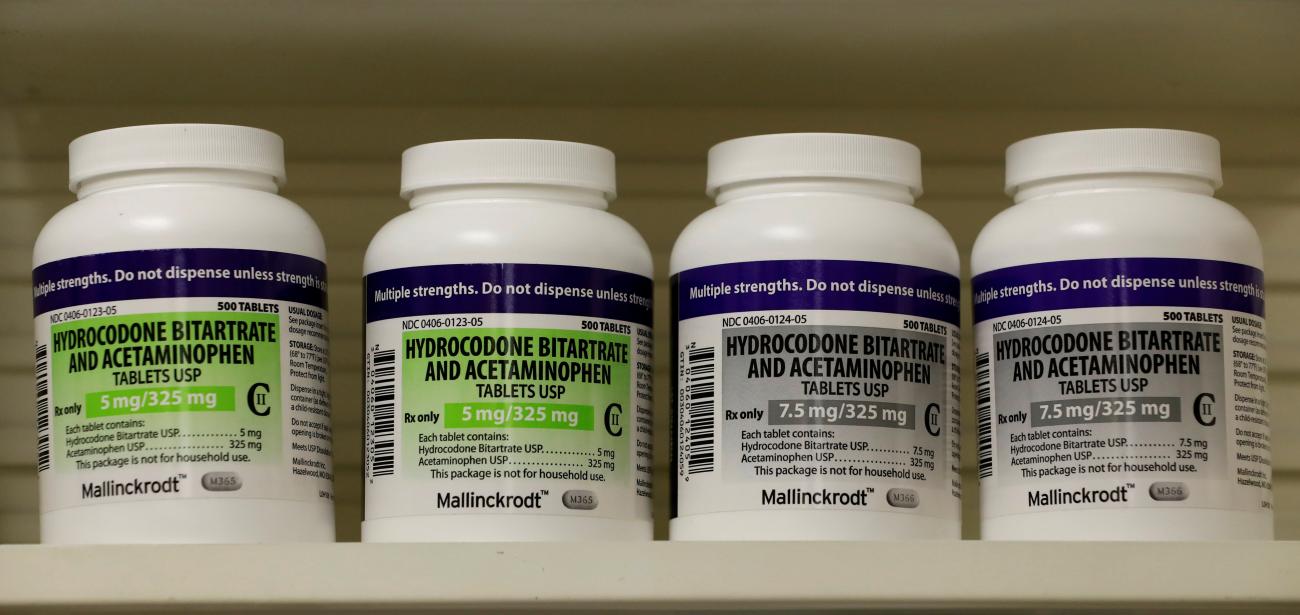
[{"x": 658, "y": 576}]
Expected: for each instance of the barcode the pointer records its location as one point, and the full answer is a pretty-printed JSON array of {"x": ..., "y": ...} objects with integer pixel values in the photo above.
[
  {"x": 700, "y": 367},
  {"x": 42, "y": 408},
  {"x": 984, "y": 411},
  {"x": 383, "y": 415}
]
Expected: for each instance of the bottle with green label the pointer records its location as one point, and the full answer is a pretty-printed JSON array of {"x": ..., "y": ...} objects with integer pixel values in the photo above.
[
  {"x": 181, "y": 345},
  {"x": 508, "y": 351}
]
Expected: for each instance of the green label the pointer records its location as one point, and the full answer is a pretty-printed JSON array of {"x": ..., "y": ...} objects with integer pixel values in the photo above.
[
  {"x": 516, "y": 403},
  {"x": 160, "y": 399},
  {"x": 165, "y": 388},
  {"x": 518, "y": 415}
]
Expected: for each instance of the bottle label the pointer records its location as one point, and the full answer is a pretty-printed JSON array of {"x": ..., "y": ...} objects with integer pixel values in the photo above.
[
  {"x": 508, "y": 389},
  {"x": 1122, "y": 383},
  {"x": 186, "y": 373},
  {"x": 816, "y": 384}
]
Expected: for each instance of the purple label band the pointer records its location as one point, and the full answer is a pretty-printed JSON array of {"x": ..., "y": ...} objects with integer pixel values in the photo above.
[
  {"x": 492, "y": 288},
  {"x": 1119, "y": 282},
  {"x": 818, "y": 285},
  {"x": 188, "y": 272}
]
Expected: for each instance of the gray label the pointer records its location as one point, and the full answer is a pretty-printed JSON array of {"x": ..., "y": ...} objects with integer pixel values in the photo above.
[
  {"x": 1102, "y": 400},
  {"x": 841, "y": 412},
  {"x": 834, "y": 402},
  {"x": 1105, "y": 410}
]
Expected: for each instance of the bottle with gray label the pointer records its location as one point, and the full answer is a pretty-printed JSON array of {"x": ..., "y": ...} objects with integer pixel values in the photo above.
[
  {"x": 1121, "y": 365},
  {"x": 815, "y": 348}
]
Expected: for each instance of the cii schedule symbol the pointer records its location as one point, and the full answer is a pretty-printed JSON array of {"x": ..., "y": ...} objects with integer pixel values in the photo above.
[
  {"x": 1203, "y": 409},
  {"x": 614, "y": 419},
  {"x": 932, "y": 413},
  {"x": 258, "y": 399}
]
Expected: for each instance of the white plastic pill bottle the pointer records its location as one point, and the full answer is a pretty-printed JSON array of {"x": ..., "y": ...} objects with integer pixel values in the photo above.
[
  {"x": 508, "y": 351},
  {"x": 181, "y": 345},
  {"x": 1120, "y": 357},
  {"x": 815, "y": 348}
]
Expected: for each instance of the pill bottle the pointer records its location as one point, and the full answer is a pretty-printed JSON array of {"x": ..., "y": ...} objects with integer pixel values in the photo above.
[
  {"x": 508, "y": 351},
  {"x": 1121, "y": 365},
  {"x": 181, "y": 345},
  {"x": 815, "y": 348}
]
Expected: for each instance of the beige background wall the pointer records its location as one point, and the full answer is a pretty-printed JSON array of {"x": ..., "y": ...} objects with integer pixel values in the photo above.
[{"x": 350, "y": 90}]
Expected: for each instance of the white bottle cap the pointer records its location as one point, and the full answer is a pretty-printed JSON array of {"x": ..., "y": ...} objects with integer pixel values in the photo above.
[
  {"x": 175, "y": 146},
  {"x": 1115, "y": 150},
  {"x": 814, "y": 156},
  {"x": 508, "y": 161}
]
